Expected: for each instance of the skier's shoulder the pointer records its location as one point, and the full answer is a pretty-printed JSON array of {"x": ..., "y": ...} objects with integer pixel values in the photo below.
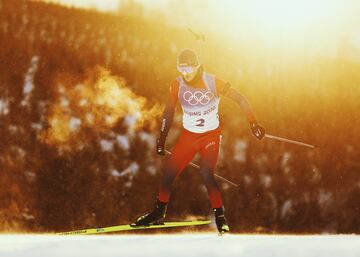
[
  {"x": 215, "y": 77},
  {"x": 222, "y": 85},
  {"x": 208, "y": 74},
  {"x": 174, "y": 85}
]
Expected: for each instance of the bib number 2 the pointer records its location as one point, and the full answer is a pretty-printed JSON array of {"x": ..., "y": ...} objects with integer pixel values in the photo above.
[{"x": 200, "y": 123}]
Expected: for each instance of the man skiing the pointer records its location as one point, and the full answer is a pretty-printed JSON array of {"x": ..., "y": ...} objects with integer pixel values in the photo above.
[{"x": 198, "y": 93}]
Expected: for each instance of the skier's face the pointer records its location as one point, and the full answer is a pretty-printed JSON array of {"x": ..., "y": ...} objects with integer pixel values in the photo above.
[{"x": 188, "y": 72}]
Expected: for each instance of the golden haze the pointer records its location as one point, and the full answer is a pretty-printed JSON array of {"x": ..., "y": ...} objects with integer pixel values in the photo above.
[{"x": 97, "y": 103}]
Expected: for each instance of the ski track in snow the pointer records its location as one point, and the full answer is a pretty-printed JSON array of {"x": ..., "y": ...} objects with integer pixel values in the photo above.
[{"x": 174, "y": 245}]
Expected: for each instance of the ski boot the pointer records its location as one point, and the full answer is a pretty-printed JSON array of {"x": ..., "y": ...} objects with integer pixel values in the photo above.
[
  {"x": 156, "y": 217},
  {"x": 220, "y": 220}
]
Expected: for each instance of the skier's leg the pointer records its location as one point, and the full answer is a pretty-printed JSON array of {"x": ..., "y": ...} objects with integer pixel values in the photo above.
[
  {"x": 184, "y": 151},
  {"x": 209, "y": 154},
  {"x": 182, "y": 154},
  {"x": 208, "y": 158}
]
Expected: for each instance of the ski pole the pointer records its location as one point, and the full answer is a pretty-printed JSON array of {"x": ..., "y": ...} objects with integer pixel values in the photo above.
[
  {"x": 289, "y": 141},
  {"x": 216, "y": 175}
]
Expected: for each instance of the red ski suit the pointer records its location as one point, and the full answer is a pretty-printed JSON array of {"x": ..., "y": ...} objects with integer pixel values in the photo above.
[{"x": 201, "y": 132}]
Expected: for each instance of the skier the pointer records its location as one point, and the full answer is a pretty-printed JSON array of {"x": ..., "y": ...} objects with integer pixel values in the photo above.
[{"x": 198, "y": 93}]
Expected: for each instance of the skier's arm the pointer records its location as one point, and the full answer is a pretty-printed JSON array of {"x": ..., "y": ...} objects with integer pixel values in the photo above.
[
  {"x": 242, "y": 102},
  {"x": 167, "y": 120},
  {"x": 167, "y": 117},
  {"x": 256, "y": 129}
]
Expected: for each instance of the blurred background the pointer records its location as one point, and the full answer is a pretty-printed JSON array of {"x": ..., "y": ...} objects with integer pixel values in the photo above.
[{"x": 83, "y": 84}]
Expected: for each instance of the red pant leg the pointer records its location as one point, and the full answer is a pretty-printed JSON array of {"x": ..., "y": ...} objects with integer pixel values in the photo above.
[
  {"x": 182, "y": 154},
  {"x": 208, "y": 159}
]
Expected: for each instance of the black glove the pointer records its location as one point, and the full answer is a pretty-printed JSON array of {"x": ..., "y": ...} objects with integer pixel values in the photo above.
[
  {"x": 160, "y": 146},
  {"x": 257, "y": 130}
]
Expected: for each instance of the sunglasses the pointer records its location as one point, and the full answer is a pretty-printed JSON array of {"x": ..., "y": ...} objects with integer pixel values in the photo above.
[{"x": 186, "y": 69}]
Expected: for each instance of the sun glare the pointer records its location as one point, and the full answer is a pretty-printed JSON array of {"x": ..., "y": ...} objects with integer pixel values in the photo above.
[
  {"x": 289, "y": 15},
  {"x": 283, "y": 16},
  {"x": 294, "y": 24}
]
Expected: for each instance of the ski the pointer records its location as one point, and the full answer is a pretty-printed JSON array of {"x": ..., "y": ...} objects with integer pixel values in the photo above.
[{"x": 127, "y": 227}]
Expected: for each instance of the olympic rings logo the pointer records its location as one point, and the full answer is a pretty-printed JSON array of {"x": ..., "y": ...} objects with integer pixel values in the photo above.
[{"x": 198, "y": 97}]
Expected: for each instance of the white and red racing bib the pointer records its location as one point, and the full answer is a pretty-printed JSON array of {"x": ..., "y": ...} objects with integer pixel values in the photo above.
[{"x": 200, "y": 105}]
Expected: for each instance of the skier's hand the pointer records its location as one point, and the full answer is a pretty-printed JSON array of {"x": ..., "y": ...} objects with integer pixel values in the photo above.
[
  {"x": 160, "y": 146},
  {"x": 257, "y": 130}
]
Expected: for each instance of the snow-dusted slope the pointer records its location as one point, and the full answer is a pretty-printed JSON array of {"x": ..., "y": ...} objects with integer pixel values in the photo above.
[{"x": 182, "y": 245}]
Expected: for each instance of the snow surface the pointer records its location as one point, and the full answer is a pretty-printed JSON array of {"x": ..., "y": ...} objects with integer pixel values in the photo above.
[{"x": 184, "y": 245}]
